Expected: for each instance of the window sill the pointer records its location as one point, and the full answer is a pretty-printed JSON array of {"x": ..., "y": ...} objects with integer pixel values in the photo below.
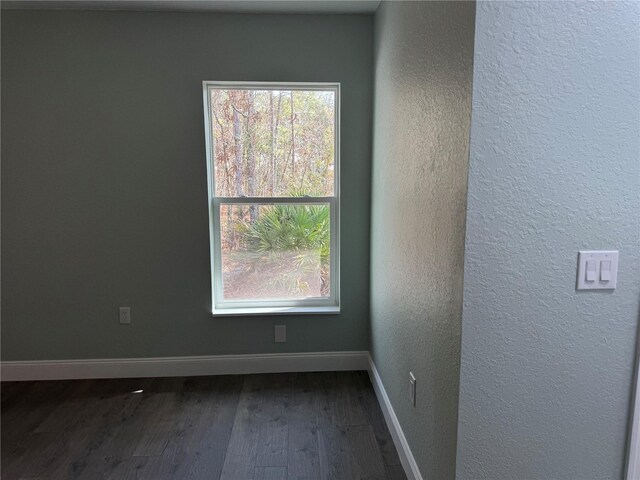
[{"x": 233, "y": 312}]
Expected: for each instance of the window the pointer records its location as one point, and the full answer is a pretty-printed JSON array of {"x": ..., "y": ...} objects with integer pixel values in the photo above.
[{"x": 273, "y": 176}]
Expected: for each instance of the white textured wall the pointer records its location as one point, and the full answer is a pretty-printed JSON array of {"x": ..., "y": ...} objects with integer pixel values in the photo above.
[
  {"x": 423, "y": 71},
  {"x": 554, "y": 168}
]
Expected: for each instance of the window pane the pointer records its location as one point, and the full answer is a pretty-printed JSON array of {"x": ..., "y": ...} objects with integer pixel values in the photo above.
[
  {"x": 273, "y": 143},
  {"x": 275, "y": 251}
]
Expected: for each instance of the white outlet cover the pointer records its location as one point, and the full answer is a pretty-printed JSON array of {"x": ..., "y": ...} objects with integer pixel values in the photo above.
[
  {"x": 125, "y": 315},
  {"x": 280, "y": 333},
  {"x": 598, "y": 260}
]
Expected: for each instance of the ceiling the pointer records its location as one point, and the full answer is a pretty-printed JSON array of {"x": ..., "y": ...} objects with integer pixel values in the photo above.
[{"x": 229, "y": 6}]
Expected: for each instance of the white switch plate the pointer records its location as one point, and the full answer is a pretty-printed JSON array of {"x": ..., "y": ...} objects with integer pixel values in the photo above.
[
  {"x": 280, "y": 333},
  {"x": 600, "y": 260}
]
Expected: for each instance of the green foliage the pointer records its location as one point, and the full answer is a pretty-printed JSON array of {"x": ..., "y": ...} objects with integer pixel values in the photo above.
[{"x": 282, "y": 228}]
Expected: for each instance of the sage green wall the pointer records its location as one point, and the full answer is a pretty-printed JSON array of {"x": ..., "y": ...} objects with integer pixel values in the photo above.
[
  {"x": 423, "y": 72},
  {"x": 104, "y": 194}
]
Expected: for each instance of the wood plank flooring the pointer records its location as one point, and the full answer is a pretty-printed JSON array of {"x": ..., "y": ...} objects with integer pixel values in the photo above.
[{"x": 307, "y": 426}]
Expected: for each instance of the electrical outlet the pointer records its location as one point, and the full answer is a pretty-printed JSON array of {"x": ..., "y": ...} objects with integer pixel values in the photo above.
[
  {"x": 125, "y": 315},
  {"x": 280, "y": 333},
  {"x": 412, "y": 389}
]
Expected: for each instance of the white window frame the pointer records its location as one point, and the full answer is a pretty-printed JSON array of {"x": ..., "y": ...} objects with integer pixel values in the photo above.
[{"x": 221, "y": 307}]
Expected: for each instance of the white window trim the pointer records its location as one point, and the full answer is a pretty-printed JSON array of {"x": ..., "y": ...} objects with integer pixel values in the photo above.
[{"x": 330, "y": 305}]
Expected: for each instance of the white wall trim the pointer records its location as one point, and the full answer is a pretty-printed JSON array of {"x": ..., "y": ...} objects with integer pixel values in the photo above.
[
  {"x": 633, "y": 460},
  {"x": 183, "y": 366},
  {"x": 402, "y": 446}
]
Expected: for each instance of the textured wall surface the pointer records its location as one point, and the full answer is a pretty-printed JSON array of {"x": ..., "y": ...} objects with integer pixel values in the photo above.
[
  {"x": 104, "y": 192},
  {"x": 423, "y": 72},
  {"x": 554, "y": 168}
]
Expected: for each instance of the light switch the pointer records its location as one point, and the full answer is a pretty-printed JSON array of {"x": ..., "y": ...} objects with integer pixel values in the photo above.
[
  {"x": 605, "y": 270},
  {"x": 591, "y": 271},
  {"x": 597, "y": 270}
]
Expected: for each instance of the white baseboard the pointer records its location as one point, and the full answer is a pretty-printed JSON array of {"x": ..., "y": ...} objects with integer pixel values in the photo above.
[
  {"x": 402, "y": 446},
  {"x": 183, "y": 366}
]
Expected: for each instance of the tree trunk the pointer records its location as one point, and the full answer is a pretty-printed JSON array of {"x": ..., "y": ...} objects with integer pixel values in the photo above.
[
  {"x": 237, "y": 137},
  {"x": 251, "y": 156},
  {"x": 224, "y": 155},
  {"x": 273, "y": 145},
  {"x": 293, "y": 141}
]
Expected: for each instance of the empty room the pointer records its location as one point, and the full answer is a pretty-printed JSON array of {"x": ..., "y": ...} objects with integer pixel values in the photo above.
[{"x": 320, "y": 240}]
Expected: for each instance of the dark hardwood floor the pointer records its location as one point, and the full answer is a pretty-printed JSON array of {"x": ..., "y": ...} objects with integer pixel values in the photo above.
[{"x": 325, "y": 425}]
